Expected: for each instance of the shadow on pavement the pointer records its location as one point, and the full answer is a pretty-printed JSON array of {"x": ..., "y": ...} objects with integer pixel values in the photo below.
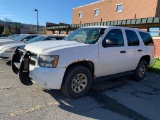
[
  {"x": 8, "y": 63},
  {"x": 96, "y": 103}
]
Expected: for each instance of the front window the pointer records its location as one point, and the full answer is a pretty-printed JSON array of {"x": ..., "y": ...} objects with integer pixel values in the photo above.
[
  {"x": 85, "y": 35},
  {"x": 119, "y": 8},
  {"x": 114, "y": 35}
]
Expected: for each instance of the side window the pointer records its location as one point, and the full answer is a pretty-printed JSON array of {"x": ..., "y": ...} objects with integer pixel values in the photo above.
[
  {"x": 54, "y": 38},
  {"x": 61, "y": 38},
  {"x": 147, "y": 39},
  {"x": 132, "y": 38},
  {"x": 32, "y": 37},
  {"x": 48, "y": 39},
  {"x": 27, "y": 38},
  {"x": 114, "y": 38}
]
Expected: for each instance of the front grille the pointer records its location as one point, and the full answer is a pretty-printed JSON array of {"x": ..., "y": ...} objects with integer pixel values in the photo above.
[
  {"x": 32, "y": 59},
  {"x": 21, "y": 53}
]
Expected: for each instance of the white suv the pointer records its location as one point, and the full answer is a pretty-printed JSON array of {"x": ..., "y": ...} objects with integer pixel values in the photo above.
[{"x": 87, "y": 54}]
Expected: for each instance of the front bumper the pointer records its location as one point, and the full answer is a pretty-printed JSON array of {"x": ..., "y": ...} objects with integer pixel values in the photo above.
[
  {"x": 49, "y": 78},
  {"x": 6, "y": 55}
]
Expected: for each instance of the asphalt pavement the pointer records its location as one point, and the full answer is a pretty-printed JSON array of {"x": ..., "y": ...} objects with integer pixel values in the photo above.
[{"x": 117, "y": 99}]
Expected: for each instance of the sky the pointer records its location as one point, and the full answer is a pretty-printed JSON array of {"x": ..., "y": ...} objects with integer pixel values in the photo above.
[{"x": 54, "y": 11}]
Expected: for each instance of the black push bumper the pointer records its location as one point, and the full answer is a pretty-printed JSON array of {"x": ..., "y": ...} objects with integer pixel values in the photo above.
[
  {"x": 20, "y": 65},
  {"x": 4, "y": 57}
]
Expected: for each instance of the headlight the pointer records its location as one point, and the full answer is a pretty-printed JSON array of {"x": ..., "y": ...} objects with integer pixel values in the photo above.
[
  {"x": 12, "y": 49},
  {"x": 50, "y": 61}
]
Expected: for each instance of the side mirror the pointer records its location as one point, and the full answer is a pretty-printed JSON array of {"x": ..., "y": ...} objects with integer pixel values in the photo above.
[
  {"x": 24, "y": 40},
  {"x": 110, "y": 42}
]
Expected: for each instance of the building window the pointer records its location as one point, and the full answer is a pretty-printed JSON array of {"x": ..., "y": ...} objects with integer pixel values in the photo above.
[
  {"x": 154, "y": 31},
  {"x": 96, "y": 12},
  {"x": 70, "y": 31},
  {"x": 55, "y": 32},
  {"x": 80, "y": 15},
  {"x": 119, "y": 8},
  {"x": 61, "y": 31}
]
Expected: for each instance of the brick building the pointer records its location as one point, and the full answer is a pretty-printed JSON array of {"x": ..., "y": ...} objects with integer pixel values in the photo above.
[
  {"x": 111, "y": 10},
  {"x": 142, "y": 14}
]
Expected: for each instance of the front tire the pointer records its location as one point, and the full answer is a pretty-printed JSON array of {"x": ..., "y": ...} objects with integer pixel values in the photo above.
[
  {"x": 77, "y": 82},
  {"x": 141, "y": 70}
]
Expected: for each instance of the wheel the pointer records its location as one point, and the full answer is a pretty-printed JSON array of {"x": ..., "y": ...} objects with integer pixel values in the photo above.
[
  {"x": 141, "y": 70},
  {"x": 77, "y": 82}
]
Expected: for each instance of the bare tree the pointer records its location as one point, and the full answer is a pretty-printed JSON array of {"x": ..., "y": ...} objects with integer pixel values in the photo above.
[
  {"x": 8, "y": 23},
  {"x": 7, "y": 20}
]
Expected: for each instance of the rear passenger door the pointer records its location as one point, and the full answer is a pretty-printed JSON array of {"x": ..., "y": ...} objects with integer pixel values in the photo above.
[{"x": 134, "y": 49}]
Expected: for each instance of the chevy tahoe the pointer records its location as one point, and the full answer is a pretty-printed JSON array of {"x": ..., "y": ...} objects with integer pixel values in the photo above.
[{"x": 88, "y": 54}]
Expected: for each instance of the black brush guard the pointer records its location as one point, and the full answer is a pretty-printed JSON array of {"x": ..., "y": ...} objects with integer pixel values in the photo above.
[{"x": 23, "y": 70}]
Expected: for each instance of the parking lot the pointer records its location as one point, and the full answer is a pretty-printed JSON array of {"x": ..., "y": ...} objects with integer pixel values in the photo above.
[{"x": 118, "y": 99}]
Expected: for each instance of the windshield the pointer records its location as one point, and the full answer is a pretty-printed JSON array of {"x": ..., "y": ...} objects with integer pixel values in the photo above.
[
  {"x": 39, "y": 38},
  {"x": 19, "y": 37},
  {"x": 85, "y": 35},
  {"x": 11, "y": 36}
]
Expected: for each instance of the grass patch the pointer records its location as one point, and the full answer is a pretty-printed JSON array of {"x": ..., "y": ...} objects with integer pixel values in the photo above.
[{"x": 156, "y": 66}]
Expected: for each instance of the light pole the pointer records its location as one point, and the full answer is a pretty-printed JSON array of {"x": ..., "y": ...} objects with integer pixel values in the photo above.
[{"x": 37, "y": 21}]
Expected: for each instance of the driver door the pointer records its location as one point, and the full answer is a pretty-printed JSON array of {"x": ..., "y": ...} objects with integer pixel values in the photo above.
[{"x": 112, "y": 57}]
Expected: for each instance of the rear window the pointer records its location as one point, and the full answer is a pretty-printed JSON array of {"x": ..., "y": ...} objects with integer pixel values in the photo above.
[{"x": 147, "y": 39}]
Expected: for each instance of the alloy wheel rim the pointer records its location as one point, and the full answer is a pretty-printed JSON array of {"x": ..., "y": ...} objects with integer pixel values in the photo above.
[
  {"x": 142, "y": 70},
  {"x": 79, "y": 83}
]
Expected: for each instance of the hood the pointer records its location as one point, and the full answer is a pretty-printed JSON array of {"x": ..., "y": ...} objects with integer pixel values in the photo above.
[
  {"x": 8, "y": 41},
  {"x": 3, "y": 40},
  {"x": 49, "y": 46},
  {"x": 19, "y": 44}
]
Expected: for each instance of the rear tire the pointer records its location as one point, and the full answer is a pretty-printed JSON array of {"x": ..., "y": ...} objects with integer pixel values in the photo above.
[
  {"x": 140, "y": 71},
  {"x": 76, "y": 82}
]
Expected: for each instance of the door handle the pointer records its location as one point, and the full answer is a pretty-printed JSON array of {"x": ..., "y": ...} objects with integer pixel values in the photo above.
[
  {"x": 122, "y": 51},
  {"x": 139, "y": 50}
]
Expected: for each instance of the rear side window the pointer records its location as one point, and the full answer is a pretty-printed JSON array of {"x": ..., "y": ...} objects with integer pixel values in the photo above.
[
  {"x": 132, "y": 38},
  {"x": 147, "y": 39}
]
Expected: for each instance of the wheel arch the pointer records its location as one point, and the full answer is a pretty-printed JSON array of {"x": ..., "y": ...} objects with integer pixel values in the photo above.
[
  {"x": 86, "y": 63},
  {"x": 147, "y": 58}
]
